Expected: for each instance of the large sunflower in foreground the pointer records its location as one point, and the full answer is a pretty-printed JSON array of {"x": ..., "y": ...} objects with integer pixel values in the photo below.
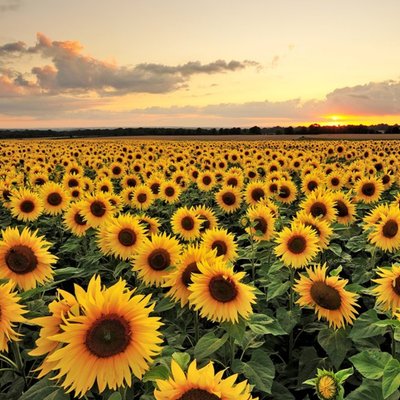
[
  {"x": 180, "y": 279},
  {"x": 10, "y": 314},
  {"x": 25, "y": 259},
  {"x": 113, "y": 338},
  {"x": 218, "y": 293},
  {"x": 297, "y": 245},
  {"x": 327, "y": 295},
  {"x": 386, "y": 233},
  {"x": 26, "y": 205},
  {"x": 387, "y": 291},
  {"x": 154, "y": 257},
  {"x": 200, "y": 384}
]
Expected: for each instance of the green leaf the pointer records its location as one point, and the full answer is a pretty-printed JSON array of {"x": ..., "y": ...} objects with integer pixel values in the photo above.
[
  {"x": 42, "y": 390},
  {"x": 365, "y": 327},
  {"x": 156, "y": 372},
  {"x": 335, "y": 248},
  {"x": 182, "y": 359},
  {"x": 391, "y": 378},
  {"x": 236, "y": 330},
  {"x": 276, "y": 288},
  {"x": 259, "y": 370},
  {"x": 163, "y": 305},
  {"x": 336, "y": 344},
  {"x": 370, "y": 363},
  {"x": 280, "y": 392},
  {"x": 263, "y": 325},
  {"x": 343, "y": 374},
  {"x": 209, "y": 344},
  {"x": 115, "y": 396},
  {"x": 370, "y": 390}
]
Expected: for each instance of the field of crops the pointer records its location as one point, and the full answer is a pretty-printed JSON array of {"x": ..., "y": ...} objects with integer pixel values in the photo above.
[{"x": 194, "y": 270}]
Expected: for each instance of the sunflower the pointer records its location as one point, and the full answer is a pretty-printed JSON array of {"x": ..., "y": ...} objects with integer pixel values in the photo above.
[
  {"x": 114, "y": 337},
  {"x": 130, "y": 181},
  {"x": 368, "y": 190},
  {"x": 11, "y": 313},
  {"x": 142, "y": 197},
  {"x": 25, "y": 259},
  {"x": 297, "y": 245},
  {"x": 221, "y": 242},
  {"x": 72, "y": 181},
  {"x": 262, "y": 222},
  {"x": 327, "y": 296},
  {"x": 180, "y": 279},
  {"x": 65, "y": 305},
  {"x": 170, "y": 191},
  {"x": 155, "y": 257},
  {"x": 206, "y": 181},
  {"x": 345, "y": 209},
  {"x": 154, "y": 183},
  {"x": 73, "y": 219},
  {"x": 104, "y": 185},
  {"x": 117, "y": 169},
  {"x": 228, "y": 199},
  {"x": 218, "y": 293},
  {"x": 26, "y": 205},
  {"x": 388, "y": 290},
  {"x": 122, "y": 236},
  {"x": 207, "y": 217},
  {"x": 96, "y": 209},
  {"x": 54, "y": 198},
  {"x": 327, "y": 385},
  {"x": 185, "y": 223},
  {"x": 200, "y": 384},
  {"x": 150, "y": 224},
  {"x": 311, "y": 182},
  {"x": 320, "y": 204},
  {"x": 335, "y": 180},
  {"x": 322, "y": 228},
  {"x": 254, "y": 192},
  {"x": 386, "y": 233},
  {"x": 234, "y": 179},
  {"x": 287, "y": 191}
]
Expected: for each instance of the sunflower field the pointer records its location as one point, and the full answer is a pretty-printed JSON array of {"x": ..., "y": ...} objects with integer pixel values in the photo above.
[{"x": 199, "y": 270}]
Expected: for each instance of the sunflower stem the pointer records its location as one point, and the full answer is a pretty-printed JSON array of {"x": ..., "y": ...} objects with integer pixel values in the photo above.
[
  {"x": 9, "y": 362},
  {"x": 18, "y": 360},
  {"x": 232, "y": 349},
  {"x": 393, "y": 342},
  {"x": 291, "y": 307},
  {"x": 253, "y": 267},
  {"x": 196, "y": 327},
  {"x": 122, "y": 391}
]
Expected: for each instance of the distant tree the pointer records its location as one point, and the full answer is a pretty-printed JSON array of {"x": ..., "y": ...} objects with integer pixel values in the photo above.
[{"x": 255, "y": 130}]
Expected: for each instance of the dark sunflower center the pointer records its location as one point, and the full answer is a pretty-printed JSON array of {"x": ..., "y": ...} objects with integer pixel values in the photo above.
[
  {"x": 131, "y": 182},
  {"x": 54, "y": 199},
  {"x": 105, "y": 188},
  {"x": 187, "y": 273},
  {"x": 273, "y": 188},
  {"x": 108, "y": 336},
  {"x": 312, "y": 185},
  {"x": 257, "y": 194},
  {"x": 342, "y": 208},
  {"x": 206, "y": 180},
  {"x": 221, "y": 247},
  {"x": 314, "y": 227},
  {"x": 98, "y": 208},
  {"x": 229, "y": 198},
  {"x": 260, "y": 224},
  {"x": 75, "y": 193},
  {"x": 127, "y": 237},
  {"x": 79, "y": 219},
  {"x": 284, "y": 193},
  {"x": 198, "y": 394},
  {"x": 385, "y": 179},
  {"x": 318, "y": 209},
  {"x": 222, "y": 289},
  {"x": 73, "y": 183},
  {"x": 396, "y": 286},
  {"x": 169, "y": 191},
  {"x": 27, "y": 206},
  {"x": 21, "y": 259},
  {"x": 297, "y": 244},
  {"x": 6, "y": 195},
  {"x": 325, "y": 296},
  {"x": 390, "y": 229},
  {"x": 116, "y": 170},
  {"x": 205, "y": 224},
  {"x": 155, "y": 188},
  {"x": 368, "y": 189},
  {"x": 40, "y": 181},
  {"x": 335, "y": 181},
  {"x": 159, "y": 259},
  {"x": 141, "y": 198},
  {"x": 232, "y": 182},
  {"x": 187, "y": 223}
]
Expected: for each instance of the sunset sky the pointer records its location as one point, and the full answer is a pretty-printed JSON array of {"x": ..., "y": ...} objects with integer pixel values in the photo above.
[{"x": 225, "y": 63}]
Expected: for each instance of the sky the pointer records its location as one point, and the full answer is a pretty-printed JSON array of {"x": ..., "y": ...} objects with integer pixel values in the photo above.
[{"x": 184, "y": 63}]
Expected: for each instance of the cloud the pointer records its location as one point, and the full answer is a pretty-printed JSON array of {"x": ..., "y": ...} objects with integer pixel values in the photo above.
[
  {"x": 71, "y": 71},
  {"x": 10, "y": 5}
]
